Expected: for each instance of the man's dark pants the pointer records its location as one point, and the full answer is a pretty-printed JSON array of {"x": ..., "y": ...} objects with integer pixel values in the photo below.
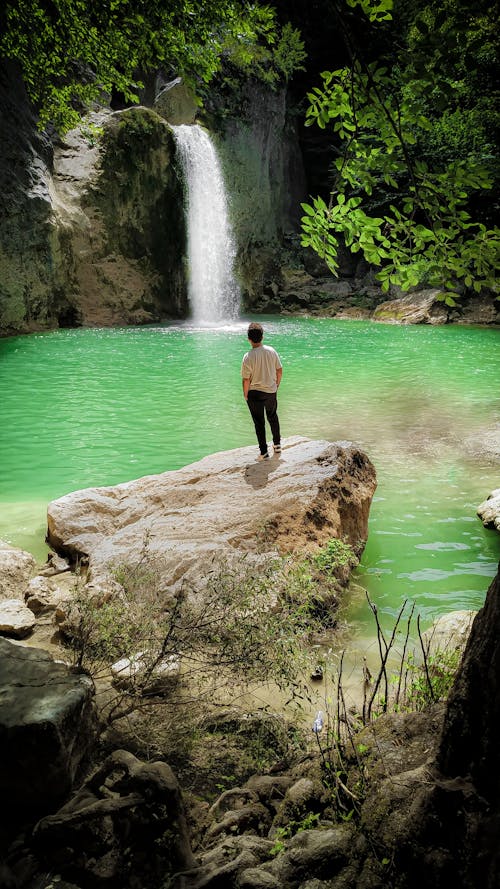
[{"x": 258, "y": 402}]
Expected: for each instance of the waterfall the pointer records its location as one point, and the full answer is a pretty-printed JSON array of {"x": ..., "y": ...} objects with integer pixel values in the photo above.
[{"x": 213, "y": 291}]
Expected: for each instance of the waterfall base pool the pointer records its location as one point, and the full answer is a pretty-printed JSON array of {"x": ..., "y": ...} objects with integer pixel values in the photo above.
[{"x": 97, "y": 407}]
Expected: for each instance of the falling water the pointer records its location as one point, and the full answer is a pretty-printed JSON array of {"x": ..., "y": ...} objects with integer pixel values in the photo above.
[{"x": 213, "y": 291}]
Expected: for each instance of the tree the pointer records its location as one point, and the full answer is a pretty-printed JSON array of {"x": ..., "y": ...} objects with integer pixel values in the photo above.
[
  {"x": 396, "y": 196},
  {"x": 71, "y": 51}
]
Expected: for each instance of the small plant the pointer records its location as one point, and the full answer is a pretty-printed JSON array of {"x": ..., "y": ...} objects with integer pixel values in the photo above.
[
  {"x": 431, "y": 681},
  {"x": 309, "y": 822},
  {"x": 91, "y": 133},
  {"x": 334, "y": 555}
]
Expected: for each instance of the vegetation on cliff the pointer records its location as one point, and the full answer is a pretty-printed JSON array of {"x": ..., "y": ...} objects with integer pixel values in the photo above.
[
  {"x": 413, "y": 128},
  {"x": 411, "y": 117},
  {"x": 72, "y": 52}
]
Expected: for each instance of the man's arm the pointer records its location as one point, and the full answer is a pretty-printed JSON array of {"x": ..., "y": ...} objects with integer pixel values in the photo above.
[
  {"x": 246, "y": 387},
  {"x": 279, "y": 374}
]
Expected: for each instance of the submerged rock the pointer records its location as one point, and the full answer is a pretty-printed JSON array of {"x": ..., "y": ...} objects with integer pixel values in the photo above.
[{"x": 226, "y": 505}]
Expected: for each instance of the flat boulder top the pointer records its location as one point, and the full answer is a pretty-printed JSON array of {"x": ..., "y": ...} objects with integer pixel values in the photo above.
[{"x": 226, "y": 502}]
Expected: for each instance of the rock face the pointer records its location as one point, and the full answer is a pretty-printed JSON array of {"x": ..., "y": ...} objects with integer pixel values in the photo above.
[
  {"x": 469, "y": 745},
  {"x": 119, "y": 216},
  {"x": 46, "y": 729},
  {"x": 125, "y": 827},
  {"x": 259, "y": 150},
  {"x": 226, "y": 504},
  {"x": 92, "y": 230}
]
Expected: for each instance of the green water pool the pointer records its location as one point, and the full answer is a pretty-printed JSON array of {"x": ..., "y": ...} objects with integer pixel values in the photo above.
[{"x": 81, "y": 408}]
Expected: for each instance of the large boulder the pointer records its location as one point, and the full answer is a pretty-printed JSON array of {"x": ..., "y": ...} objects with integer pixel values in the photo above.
[
  {"x": 421, "y": 307},
  {"x": 489, "y": 510},
  {"x": 47, "y": 729},
  {"x": 119, "y": 217},
  {"x": 225, "y": 505}
]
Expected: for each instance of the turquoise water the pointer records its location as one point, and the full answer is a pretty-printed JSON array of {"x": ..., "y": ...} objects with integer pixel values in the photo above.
[{"x": 96, "y": 407}]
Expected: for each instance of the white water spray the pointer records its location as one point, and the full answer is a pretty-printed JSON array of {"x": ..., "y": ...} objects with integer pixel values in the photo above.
[{"x": 213, "y": 292}]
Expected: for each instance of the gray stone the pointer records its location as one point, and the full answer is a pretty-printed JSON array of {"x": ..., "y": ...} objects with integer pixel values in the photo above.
[
  {"x": 16, "y": 568},
  {"x": 176, "y": 103},
  {"x": 420, "y": 307},
  {"x": 449, "y": 632},
  {"x": 16, "y": 619},
  {"x": 135, "y": 672},
  {"x": 47, "y": 728}
]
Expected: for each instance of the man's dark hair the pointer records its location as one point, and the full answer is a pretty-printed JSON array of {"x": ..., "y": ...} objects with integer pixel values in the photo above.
[{"x": 255, "y": 332}]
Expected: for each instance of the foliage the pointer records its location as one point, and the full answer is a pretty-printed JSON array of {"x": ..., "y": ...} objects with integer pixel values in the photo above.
[
  {"x": 335, "y": 554},
  {"x": 71, "y": 52},
  {"x": 235, "y": 631},
  {"x": 309, "y": 822},
  {"x": 396, "y": 197},
  {"x": 419, "y": 678},
  {"x": 431, "y": 682},
  {"x": 273, "y": 59}
]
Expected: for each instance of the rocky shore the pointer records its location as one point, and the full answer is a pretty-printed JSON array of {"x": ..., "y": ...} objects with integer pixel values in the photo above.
[{"x": 418, "y": 795}]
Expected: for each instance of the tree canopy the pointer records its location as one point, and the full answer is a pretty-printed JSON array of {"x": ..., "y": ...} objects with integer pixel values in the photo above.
[
  {"x": 413, "y": 116},
  {"x": 71, "y": 51},
  {"x": 415, "y": 146}
]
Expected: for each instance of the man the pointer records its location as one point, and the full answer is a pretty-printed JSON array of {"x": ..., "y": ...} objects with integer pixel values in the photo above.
[{"x": 261, "y": 372}]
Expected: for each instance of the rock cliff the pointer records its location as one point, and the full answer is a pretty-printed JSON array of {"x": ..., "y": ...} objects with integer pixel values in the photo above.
[{"x": 93, "y": 225}]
